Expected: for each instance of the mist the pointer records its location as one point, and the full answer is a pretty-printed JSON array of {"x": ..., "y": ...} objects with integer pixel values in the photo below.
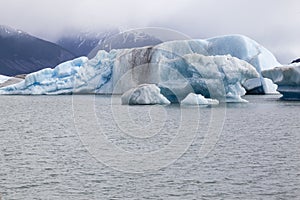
[{"x": 271, "y": 23}]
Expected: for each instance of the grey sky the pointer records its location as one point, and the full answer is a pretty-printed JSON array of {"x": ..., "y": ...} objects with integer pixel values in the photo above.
[{"x": 273, "y": 23}]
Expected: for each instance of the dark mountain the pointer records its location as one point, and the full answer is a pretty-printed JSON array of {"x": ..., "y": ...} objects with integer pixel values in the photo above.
[
  {"x": 82, "y": 43},
  {"x": 21, "y": 53},
  {"x": 296, "y": 61}
]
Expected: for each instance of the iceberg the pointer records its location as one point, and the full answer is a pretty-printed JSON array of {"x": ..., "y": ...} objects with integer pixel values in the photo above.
[
  {"x": 76, "y": 76},
  {"x": 238, "y": 46},
  {"x": 216, "y": 68},
  {"x": 218, "y": 77},
  {"x": 8, "y": 80},
  {"x": 145, "y": 94},
  {"x": 198, "y": 99},
  {"x": 288, "y": 80}
]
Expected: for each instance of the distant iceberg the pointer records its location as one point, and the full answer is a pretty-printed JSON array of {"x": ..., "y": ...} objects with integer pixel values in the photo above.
[
  {"x": 7, "y": 80},
  {"x": 177, "y": 68},
  {"x": 288, "y": 80},
  {"x": 198, "y": 99},
  {"x": 4, "y": 78}
]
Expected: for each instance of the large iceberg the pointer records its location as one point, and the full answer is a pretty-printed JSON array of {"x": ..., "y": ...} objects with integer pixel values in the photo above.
[
  {"x": 213, "y": 67},
  {"x": 145, "y": 94},
  {"x": 213, "y": 76},
  {"x": 288, "y": 80}
]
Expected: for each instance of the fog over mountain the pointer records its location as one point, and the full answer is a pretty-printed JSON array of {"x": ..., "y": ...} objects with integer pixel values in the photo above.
[
  {"x": 82, "y": 43},
  {"x": 271, "y": 23}
]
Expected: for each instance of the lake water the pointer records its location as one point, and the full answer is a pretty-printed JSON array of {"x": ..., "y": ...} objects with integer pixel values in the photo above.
[{"x": 91, "y": 147}]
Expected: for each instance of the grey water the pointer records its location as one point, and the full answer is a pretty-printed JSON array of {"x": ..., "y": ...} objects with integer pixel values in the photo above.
[{"x": 52, "y": 147}]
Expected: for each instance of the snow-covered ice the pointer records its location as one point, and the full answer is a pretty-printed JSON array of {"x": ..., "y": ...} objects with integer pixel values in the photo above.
[
  {"x": 288, "y": 80},
  {"x": 198, "y": 99},
  {"x": 4, "y": 78},
  {"x": 145, "y": 94}
]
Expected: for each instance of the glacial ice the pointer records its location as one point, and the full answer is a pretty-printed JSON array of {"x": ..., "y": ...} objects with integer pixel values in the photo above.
[
  {"x": 76, "y": 76},
  {"x": 212, "y": 67},
  {"x": 145, "y": 94},
  {"x": 288, "y": 80},
  {"x": 218, "y": 77},
  {"x": 238, "y": 46},
  {"x": 198, "y": 99}
]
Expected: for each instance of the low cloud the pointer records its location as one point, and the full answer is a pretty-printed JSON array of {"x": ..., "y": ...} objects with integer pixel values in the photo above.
[{"x": 271, "y": 23}]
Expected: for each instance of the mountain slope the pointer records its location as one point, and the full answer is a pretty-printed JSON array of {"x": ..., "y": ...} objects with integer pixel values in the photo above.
[
  {"x": 125, "y": 40},
  {"x": 21, "y": 53},
  {"x": 82, "y": 43},
  {"x": 296, "y": 60},
  {"x": 89, "y": 43}
]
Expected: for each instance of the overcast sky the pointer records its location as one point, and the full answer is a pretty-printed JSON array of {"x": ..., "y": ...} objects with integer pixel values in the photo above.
[{"x": 273, "y": 23}]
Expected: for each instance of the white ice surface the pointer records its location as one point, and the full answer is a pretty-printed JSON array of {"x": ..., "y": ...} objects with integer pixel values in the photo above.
[
  {"x": 4, "y": 78},
  {"x": 198, "y": 99},
  {"x": 145, "y": 94}
]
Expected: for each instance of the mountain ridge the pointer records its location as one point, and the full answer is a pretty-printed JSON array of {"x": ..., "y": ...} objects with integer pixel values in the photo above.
[{"x": 22, "y": 53}]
